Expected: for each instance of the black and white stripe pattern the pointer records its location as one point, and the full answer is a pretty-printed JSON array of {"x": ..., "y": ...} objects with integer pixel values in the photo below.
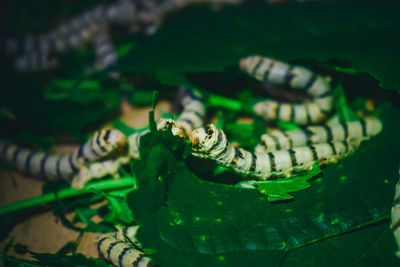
[
  {"x": 194, "y": 110},
  {"x": 105, "y": 51},
  {"x": 54, "y": 166},
  {"x": 122, "y": 252},
  {"x": 37, "y": 53},
  {"x": 211, "y": 142},
  {"x": 396, "y": 217},
  {"x": 34, "y": 53},
  {"x": 309, "y": 112},
  {"x": 334, "y": 132}
]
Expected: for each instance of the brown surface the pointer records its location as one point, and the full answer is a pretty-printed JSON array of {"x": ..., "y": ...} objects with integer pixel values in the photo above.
[{"x": 44, "y": 231}]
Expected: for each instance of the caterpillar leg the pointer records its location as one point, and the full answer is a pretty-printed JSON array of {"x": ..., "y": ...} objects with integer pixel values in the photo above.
[
  {"x": 353, "y": 130},
  {"x": 98, "y": 170},
  {"x": 298, "y": 78}
]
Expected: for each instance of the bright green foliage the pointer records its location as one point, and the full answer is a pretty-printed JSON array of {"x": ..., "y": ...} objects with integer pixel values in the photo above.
[{"x": 278, "y": 189}]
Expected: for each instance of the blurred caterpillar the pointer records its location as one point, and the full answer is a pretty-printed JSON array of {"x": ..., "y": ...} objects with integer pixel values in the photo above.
[
  {"x": 211, "y": 142},
  {"x": 105, "y": 51},
  {"x": 104, "y": 143},
  {"x": 36, "y": 53},
  {"x": 396, "y": 217},
  {"x": 334, "y": 132},
  {"x": 310, "y": 111},
  {"x": 121, "y": 248},
  {"x": 194, "y": 110}
]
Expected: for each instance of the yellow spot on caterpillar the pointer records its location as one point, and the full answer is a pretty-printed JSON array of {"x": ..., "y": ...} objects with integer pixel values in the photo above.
[
  {"x": 263, "y": 191},
  {"x": 343, "y": 178},
  {"x": 370, "y": 105}
]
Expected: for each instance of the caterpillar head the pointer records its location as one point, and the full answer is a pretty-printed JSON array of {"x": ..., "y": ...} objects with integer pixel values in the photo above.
[
  {"x": 248, "y": 64},
  {"x": 204, "y": 139},
  {"x": 165, "y": 124}
]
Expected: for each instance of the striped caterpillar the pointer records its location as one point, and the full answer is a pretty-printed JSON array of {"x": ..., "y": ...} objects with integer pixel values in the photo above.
[
  {"x": 211, "y": 142},
  {"x": 105, "y": 51},
  {"x": 309, "y": 112},
  {"x": 37, "y": 53},
  {"x": 396, "y": 217},
  {"x": 191, "y": 116},
  {"x": 334, "y": 132},
  {"x": 104, "y": 143},
  {"x": 121, "y": 248}
]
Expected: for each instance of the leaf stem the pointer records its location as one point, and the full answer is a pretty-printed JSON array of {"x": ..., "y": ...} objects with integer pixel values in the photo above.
[
  {"x": 105, "y": 185},
  {"x": 217, "y": 101}
]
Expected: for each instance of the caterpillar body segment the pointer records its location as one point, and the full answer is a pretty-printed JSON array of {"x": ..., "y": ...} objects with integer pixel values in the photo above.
[
  {"x": 35, "y": 62},
  {"x": 103, "y": 143},
  {"x": 334, "y": 132},
  {"x": 98, "y": 170},
  {"x": 134, "y": 143},
  {"x": 211, "y": 142},
  {"x": 395, "y": 224},
  {"x": 309, "y": 112},
  {"x": 194, "y": 110},
  {"x": 120, "y": 252},
  {"x": 105, "y": 51}
]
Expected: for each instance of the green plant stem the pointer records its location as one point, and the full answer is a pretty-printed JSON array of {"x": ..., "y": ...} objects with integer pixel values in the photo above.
[
  {"x": 217, "y": 101},
  {"x": 68, "y": 193}
]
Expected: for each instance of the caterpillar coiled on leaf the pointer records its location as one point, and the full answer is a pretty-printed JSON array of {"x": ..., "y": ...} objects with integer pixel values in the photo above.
[
  {"x": 121, "y": 248},
  {"x": 333, "y": 132},
  {"x": 211, "y": 142},
  {"x": 310, "y": 111},
  {"x": 104, "y": 143}
]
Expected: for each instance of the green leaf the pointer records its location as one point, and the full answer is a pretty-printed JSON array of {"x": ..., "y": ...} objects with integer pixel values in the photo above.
[
  {"x": 278, "y": 189},
  {"x": 188, "y": 221},
  {"x": 363, "y": 39}
]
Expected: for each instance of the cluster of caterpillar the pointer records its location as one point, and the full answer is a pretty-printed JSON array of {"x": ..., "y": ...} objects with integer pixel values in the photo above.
[
  {"x": 37, "y": 53},
  {"x": 104, "y": 153},
  {"x": 311, "y": 111}
]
